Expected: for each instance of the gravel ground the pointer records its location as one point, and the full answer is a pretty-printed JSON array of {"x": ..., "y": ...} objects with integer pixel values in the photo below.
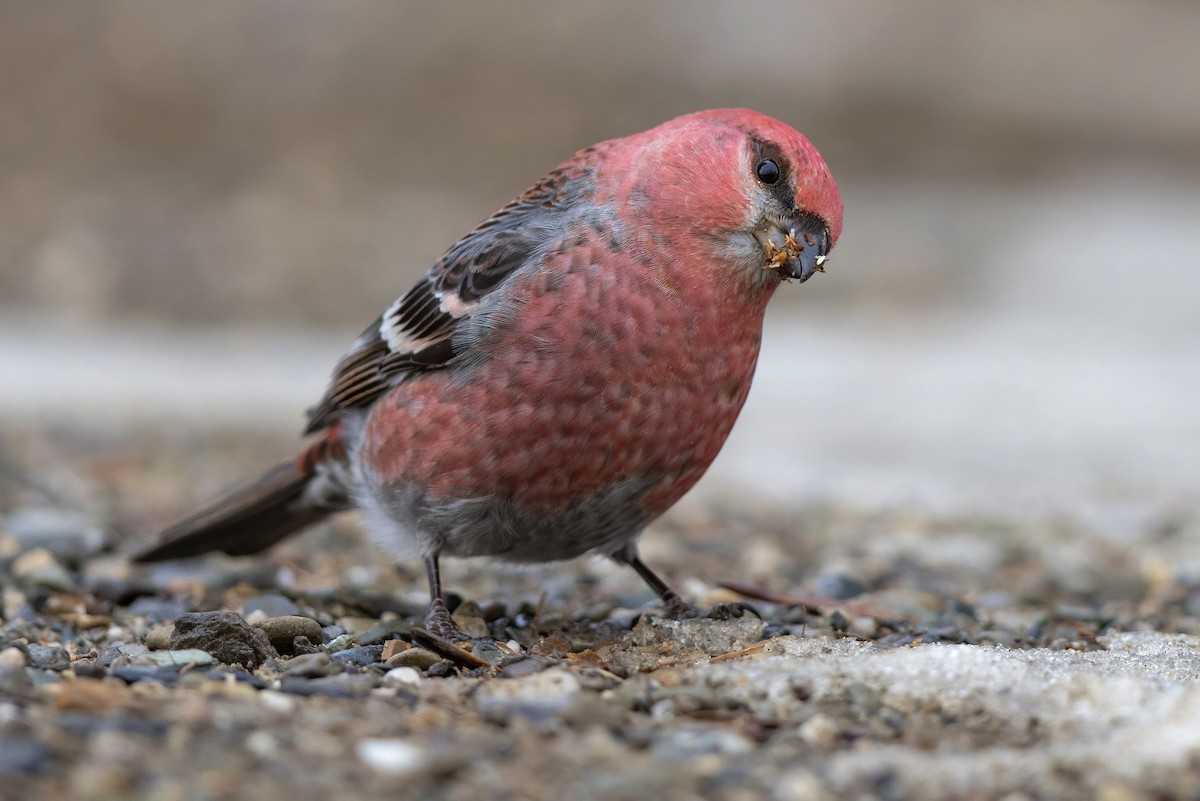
[{"x": 898, "y": 654}]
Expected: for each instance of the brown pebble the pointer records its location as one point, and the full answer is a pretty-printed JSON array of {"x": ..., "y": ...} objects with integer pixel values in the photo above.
[
  {"x": 159, "y": 637},
  {"x": 393, "y": 647},
  {"x": 90, "y": 695},
  {"x": 469, "y": 619}
]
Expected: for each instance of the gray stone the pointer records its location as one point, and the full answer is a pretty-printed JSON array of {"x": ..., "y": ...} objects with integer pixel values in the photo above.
[
  {"x": 386, "y": 630},
  {"x": 362, "y": 656},
  {"x": 485, "y": 649},
  {"x": 838, "y": 586},
  {"x": 225, "y": 635},
  {"x": 311, "y": 666},
  {"x": 282, "y": 631},
  {"x": 120, "y": 653},
  {"x": 48, "y": 657},
  {"x": 341, "y": 686}
]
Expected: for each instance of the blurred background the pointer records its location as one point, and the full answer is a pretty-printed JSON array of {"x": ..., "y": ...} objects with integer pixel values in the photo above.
[{"x": 201, "y": 204}]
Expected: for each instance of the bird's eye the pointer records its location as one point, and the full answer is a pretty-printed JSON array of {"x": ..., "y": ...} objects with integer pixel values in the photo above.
[{"x": 767, "y": 171}]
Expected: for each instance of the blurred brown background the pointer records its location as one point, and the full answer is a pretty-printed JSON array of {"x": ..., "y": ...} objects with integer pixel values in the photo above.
[{"x": 1021, "y": 177}]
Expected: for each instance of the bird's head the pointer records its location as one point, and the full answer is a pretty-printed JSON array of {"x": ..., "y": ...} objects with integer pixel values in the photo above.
[{"x": 750, "y": 186}]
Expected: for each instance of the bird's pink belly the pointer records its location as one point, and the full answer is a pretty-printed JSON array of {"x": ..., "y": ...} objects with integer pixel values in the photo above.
[{"x": 544, "y": 432}]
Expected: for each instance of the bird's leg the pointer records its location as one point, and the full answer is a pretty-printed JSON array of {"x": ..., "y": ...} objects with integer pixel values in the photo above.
[
  {"x": 438, "y": 621},
  {"x": 673, "y": 605}
]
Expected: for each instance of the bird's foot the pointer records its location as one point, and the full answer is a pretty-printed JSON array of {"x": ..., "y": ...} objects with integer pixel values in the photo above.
[
  {"x": 676, "y": 608},
  {"x": 439, "y": 622},
  {"x": 729, "y": 611}
]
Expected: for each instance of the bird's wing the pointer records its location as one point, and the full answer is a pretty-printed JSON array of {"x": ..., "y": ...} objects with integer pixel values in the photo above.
[{"x": 417, "y": 333}]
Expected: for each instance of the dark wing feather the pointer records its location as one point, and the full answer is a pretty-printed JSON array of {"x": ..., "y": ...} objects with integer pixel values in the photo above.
[{"x": 417, "y": 333}]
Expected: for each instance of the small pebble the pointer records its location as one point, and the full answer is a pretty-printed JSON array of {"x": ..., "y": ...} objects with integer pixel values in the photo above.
[
  {"x": 12, "y": 658},
  {"x": 239, "y": 674},
  {"x": 341, "y": 643},
  {"x": 404, "y": 677},
  {"x": 469, "y": 619},
  {"x": 188, "y": 656},
  {"x": 362, "y": 656},
  {"x": 276, "y": 701},
  {"x": 255, "y": 618},
  {"x": 485, "y": 649},
  {"x": 442, "y": 670},
  {"x": 343, "y": 685},
  {"x": 159, "y": 637},
  {"x": 120, "y": 653},
  {"x": 39, "y": 568},
  {"x": 418, "y": 658},
  {"x": 392, "y": 756},
  {"x": 48, "y": 657},
  {"x": 309, "y": 666},
  {"x": 820, "y": 730},
  {"x": 393, "y": 647},
  {"x": 282, "y": 631},
  {"x": 90, "y": 695},
  {"x": 384, "y": 631},
  {"x": 838, "y": 586},
  {"x": 13, "y": 601}
]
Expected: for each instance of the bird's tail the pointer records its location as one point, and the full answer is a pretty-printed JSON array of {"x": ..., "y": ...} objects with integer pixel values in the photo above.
[{"x": 252, "y": 518}]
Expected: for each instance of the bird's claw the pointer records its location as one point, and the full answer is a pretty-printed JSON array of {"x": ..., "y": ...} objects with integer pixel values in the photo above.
[
  {"x": 679, "y": 609},
  {"x": 736, "y": 609},
  {"x": 439, "y": 622}
]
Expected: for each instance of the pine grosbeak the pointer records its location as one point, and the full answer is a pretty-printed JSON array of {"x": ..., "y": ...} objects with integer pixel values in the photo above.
[{"x": 567, "y": 370}]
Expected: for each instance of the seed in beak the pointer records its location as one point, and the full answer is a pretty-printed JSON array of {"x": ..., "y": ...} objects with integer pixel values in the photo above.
[{"x": 779, "y": 256}]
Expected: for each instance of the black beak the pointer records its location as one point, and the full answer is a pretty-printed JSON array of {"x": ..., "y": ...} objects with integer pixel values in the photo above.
[{"x": 813, "y": 238}]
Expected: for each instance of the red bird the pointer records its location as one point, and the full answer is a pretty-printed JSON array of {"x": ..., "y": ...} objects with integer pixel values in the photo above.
[{"x": 567, "y": 370}]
